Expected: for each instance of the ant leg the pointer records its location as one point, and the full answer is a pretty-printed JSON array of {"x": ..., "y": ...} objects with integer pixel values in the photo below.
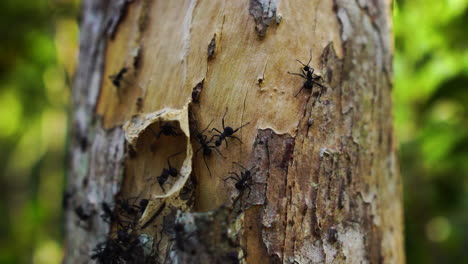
[
  {"x": 173, "y": 156},
  {"x": 217, "y": 150},
  {"x": 215, "y": 129},
  {"x": 299, "y": 91},
  {"x": 237, "y": 177},
  {"x": 230, "y": 177},
  {"x": 206, "y": 164},
  {"x": 250, "y": 190},
  {"x": 240, "y": 166},
  {"x": 209, "y": 141},
  {"x": 235, "y": 138},
  {"x": 240, "y": 127},
  {"x": 198, "y": 150},
  {"x": 301, "y": 63},
  {"x": 224, "y": 117},
  {"x": 237, "y": 199},
  {"x": 310, "y": 58},
  {"x": 207, "y": 127},
  {"x": 321, "y": 90},
  {"x": 298, "y": 74},
  {"x": 316, "y": 83}
]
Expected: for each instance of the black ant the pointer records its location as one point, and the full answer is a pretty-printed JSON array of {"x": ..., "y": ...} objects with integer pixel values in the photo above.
[
  {"x": 132, "y": 209},
  {"x": 117, "y": 78},
  {"x": 167, "y": 129},
  {"x": 244, "y": 180},
  {"x": 106, "y": 252},
  {"x": 205, "y": 145},
  {"x": 109, "y": 215},
  {"x": 169, "y": 171},
  {"x": 126, "y": 248},
  {"x": 307, "y": 73},
  {"x": 228, "y": 132},
  {"x": 143, "y": 204}
]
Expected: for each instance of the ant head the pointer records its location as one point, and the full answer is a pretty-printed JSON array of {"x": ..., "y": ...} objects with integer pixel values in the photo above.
[
  {"x": 228, "y": 130},
  {"x": 218, "y": 142},
  {"x": 173, "y": 172},
  {"x": 306, "y": 68},
  {"x": 144, "y": 203}
]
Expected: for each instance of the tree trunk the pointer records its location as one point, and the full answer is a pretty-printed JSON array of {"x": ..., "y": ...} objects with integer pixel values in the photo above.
[{"x": 323, "y": 186}]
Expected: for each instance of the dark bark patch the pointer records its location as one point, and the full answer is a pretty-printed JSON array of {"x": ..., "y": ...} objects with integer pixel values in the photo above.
[
  {"x": 144, "y": 16},
  {"x": 208, "y": 237},
  {"x": 137, "y": 58},
  {"x": 263, "y": 12},
  {"x": 118, "y": 13},
  {"x": 272, "y": 154},
  {"x": 212, "y": 48},
  {"x": 196, "y": 91}
]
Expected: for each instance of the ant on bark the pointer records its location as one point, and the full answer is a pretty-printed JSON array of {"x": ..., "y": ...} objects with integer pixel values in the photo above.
[
  {"x": 169, "y": 171},
  {"x": 117, "y": 78},
  {"x": 307, "y": 73},
  {"x": 244, "y": 180},
  {"x": 228, "y": 132},
  {"x": 132, "y": 210},
  {"x": 167, "y": 129},
  {"x": 206, "y": 146}
]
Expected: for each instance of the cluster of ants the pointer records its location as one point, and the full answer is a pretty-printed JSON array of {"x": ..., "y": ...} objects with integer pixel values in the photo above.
[
  {"x": 206, "y": 146},
  {"x": 124, "y": 245}
]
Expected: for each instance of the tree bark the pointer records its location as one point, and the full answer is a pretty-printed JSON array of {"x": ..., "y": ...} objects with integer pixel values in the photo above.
[{"x": 324, "y": 184}]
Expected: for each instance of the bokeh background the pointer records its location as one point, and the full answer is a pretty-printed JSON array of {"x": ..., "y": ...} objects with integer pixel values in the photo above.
[{"x": 37, "y": 60}]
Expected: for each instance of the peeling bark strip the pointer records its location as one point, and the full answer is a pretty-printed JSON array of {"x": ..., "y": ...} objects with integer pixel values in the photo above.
[{"x": 263, "y": 11}]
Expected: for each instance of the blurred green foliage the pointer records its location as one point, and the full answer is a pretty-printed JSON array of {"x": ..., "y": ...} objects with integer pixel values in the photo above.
[
  {"x": 37, "y": 54},
  {"x": 38, "y": 51},
  {"x": 431, "y": 118}
]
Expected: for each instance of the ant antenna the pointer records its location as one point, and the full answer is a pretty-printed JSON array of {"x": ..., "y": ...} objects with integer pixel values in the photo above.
[
  {"x": 310, "y": 59},
  {"x": 207, "y": 126},
  {"x": 240, "y": 165}
]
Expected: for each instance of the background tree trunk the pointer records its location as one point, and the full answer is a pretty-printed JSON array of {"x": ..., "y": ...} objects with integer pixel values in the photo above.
[{"x": 325, "y": 185}]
